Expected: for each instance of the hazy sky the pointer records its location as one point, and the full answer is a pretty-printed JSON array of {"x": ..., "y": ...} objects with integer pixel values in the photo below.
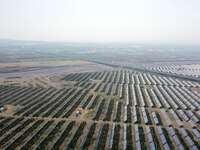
[{"x": 143, "y": 21}]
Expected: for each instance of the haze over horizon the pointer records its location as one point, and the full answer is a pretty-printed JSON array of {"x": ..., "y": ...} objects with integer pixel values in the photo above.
[{"x": 139, "y": 21}]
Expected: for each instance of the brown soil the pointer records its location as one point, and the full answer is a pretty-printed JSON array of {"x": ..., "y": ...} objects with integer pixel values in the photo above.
[
  {"x": 195, "y": 89},
  {"x": 9, "y": 109}
]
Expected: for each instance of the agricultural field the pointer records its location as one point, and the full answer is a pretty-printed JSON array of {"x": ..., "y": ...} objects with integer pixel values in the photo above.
[
  {"x": 115, "y": 109},
  {"x": 191, "y": 70}
]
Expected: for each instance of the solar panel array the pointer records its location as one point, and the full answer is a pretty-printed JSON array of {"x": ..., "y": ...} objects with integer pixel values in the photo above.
[{"x": 119, "y": 109}]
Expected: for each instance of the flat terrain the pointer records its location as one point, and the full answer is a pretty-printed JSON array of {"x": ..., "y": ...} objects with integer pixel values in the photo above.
[
  {"x": 44, "y": 73},
  {"x": 119, "y": 109},
  {"x": 192, "y": 70},
  {"x": 37, "y": 68},
  {"x": 93, "y": 96}
]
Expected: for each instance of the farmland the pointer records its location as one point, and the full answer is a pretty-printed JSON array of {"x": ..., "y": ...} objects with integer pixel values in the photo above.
[{"x": 116, "y": 109}]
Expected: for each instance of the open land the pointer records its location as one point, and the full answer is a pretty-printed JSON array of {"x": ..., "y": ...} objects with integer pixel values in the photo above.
[{"x": 92, "y": 99}]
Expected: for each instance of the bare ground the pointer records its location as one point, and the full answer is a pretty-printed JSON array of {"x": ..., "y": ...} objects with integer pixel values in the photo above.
[{"x": 44, "y": 74}]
